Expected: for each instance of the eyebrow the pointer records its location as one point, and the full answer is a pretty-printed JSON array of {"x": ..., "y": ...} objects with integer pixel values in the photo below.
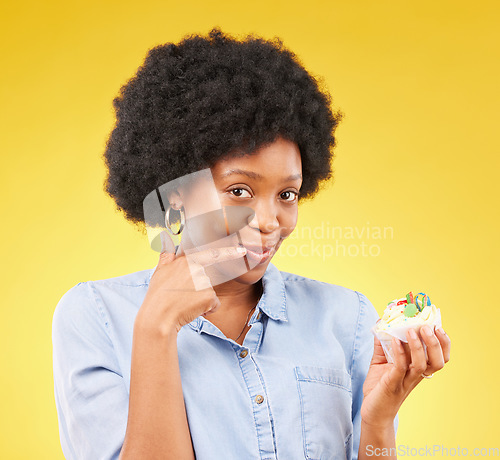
[{"x": 254, "y": 175}]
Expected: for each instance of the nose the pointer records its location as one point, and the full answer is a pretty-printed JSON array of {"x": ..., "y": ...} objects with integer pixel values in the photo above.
[{"x": 265, "y": 218}]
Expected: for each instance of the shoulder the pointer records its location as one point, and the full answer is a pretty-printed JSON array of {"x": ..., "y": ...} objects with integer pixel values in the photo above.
[
  {"x": 315, "y": 288},
  {"x": 345, "y": 304},
  {"x": 81, "y": 308},
  {"x": 138, "y": 278},
  {"x": 83, "y": 290}
]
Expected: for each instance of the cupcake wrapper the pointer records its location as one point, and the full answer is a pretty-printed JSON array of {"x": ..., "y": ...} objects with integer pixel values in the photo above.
[
  {"x": 387, "y": 346},
  {"x": 385, "y": 336}
]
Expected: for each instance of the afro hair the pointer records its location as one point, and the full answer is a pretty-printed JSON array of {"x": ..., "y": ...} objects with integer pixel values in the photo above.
[{"x": 206, "y": 98}]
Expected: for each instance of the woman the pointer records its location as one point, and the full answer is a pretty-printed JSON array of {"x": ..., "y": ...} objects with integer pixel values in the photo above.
[{"x": 215, "y": 353}]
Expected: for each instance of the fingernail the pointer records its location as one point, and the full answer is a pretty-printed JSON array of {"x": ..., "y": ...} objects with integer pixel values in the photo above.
[
  {"x": 413, "y": 334},
  {"x": 441, "y": 330},
  {"x": 427, "y": 331},
  {"x": 241, "y": 250},
  {"x": 399, "y": 344}
]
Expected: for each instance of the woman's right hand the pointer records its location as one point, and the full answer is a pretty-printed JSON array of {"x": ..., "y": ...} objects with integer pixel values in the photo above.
[{"x": 180, "y": 290}]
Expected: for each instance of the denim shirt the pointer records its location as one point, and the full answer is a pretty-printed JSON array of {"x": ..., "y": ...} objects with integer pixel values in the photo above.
[{"x": 293, "y": 390}]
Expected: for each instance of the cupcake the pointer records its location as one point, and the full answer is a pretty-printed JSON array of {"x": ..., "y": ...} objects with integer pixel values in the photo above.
[{"x": 410, "y": 312}]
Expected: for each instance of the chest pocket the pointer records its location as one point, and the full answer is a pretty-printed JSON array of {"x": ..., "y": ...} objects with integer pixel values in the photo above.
[{"x": 325, "y": 406}]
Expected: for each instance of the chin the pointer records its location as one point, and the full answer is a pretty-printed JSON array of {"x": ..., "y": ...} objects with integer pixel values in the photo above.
[
  {"x": 254, "y": 275},
  {"x": 225, "y": 272}
]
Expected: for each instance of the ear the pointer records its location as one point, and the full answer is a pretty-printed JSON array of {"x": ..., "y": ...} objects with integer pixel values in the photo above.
[{"x": 175, "y": 200}]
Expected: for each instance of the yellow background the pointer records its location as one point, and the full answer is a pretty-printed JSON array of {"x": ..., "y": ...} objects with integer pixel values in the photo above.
[{"x": 417, "y": 152}]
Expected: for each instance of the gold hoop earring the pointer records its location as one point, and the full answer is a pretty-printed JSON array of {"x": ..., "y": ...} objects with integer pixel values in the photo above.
[{"x": 168, "y": 225}]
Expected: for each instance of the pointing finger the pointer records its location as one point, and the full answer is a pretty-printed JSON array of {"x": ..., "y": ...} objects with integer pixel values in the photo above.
[{"x": 215, "y": 255}]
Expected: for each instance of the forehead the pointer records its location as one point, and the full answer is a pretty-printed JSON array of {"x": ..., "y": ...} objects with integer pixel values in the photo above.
[{"x": 280, "y": 159}]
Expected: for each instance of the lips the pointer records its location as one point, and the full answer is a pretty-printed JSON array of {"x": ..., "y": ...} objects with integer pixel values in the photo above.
[
  {"x": 258, "y": 258},
  {"x": 259, "y": 248},
  {"x": 257, "y": 253}
]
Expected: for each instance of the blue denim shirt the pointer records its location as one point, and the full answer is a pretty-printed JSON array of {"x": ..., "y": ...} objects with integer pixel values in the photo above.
[{"x": 293, "y": 390}]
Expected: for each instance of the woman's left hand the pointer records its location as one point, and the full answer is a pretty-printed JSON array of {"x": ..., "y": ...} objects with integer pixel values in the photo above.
[{"x": 388, "y": 384}]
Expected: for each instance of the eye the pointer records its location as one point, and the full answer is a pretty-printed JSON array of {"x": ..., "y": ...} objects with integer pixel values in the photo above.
[
  {"x": 239, "y": 192},
  {"x": 289, "y": 195}
]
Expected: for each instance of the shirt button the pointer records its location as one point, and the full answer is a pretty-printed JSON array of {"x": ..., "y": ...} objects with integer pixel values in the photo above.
[
  {"x": 243, "y": 353},
  {"x": 259, "y": 399}
]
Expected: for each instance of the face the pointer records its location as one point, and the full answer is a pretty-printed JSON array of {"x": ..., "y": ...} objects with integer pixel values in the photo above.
[{"x": 267, "y": 181}]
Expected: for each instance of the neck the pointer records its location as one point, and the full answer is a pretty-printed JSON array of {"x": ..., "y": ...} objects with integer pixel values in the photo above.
[
  {"x": 232, "y": 294},
  {"x": 238, "y": 295}
]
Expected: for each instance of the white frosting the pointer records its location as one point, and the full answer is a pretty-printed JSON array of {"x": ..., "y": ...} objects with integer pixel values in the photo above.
[{"x": 395, "y": 323}]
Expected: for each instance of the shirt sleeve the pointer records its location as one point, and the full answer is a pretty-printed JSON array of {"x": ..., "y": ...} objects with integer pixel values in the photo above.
[
  {"x": 90, "y": 394},
  {"x": 362, "y": 356}
]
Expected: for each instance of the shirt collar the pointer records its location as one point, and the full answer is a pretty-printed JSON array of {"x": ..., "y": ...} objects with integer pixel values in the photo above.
[{"x": 273, "y": 299}]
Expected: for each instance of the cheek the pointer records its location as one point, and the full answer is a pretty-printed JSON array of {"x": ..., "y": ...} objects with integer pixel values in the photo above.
[
  {"x": 288, "y": 221},
  {"x": 201, "y": 199}
]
